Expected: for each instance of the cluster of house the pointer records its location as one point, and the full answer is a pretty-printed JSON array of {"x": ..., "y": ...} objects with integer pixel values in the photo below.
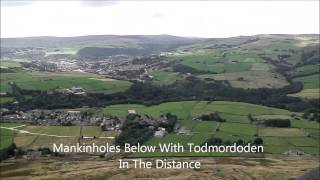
[
  {"x": 179, "y": 130},
  {"x": 111, "y": 124},
  {"x": 15, "y": 116},
  {"x": 68, "y": 118},
  {"x": 155, "y": 125},
  {"x": 296, "y": 153},
  {"x": 55, "y": 118},
  {"x": 75, "y": 90}
]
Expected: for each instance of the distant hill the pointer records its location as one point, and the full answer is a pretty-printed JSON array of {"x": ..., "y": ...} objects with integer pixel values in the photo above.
[
  {"x": 128, "y": 41},
  {"x": 100, "y": 46}
]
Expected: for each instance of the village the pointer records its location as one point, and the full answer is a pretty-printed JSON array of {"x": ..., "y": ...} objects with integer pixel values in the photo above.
[
  {"x": 80, "y": 118},
  {"x": 121, "y": 67},
  {"x": 117, "y": 67}
]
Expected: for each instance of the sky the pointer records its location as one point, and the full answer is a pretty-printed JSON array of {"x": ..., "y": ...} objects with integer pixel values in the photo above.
[{"x": 180, "y": 18}]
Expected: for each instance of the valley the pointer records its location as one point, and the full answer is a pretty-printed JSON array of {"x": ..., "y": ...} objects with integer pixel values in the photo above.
[{"x": 259, "y": 90}]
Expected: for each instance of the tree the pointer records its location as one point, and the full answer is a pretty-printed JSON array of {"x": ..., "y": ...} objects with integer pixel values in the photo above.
[
  {"x": 258, "y": 141},
  {"x": 240, "y": 142},
  {"x": 250, "y": 117},
  {"x": 214, "y": 141},
  {"x": 212, "y": 117}
]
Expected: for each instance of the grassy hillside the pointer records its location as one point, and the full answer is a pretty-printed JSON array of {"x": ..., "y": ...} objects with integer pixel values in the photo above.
[
  {"x": 310, "y": 82},
  {"x": 98, "y": 46},
  {"x": 261, "y": 61},
  {"x": 49, "y": 81},
  {"x": 302, "y": 135},
  {"x": 9, "y": 64},
  {"x": 237, "y": 125},
  {"x": 35, "y": 141},
  {"x": 6, "y": 138},
  {"x": 165, "y": 77}
]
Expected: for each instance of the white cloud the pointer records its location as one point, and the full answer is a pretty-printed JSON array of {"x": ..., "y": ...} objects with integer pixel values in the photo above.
[{"x": 189, "y": 18}]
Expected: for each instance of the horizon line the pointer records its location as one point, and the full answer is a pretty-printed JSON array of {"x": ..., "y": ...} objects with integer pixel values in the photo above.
[{"x": 52, "y": 36}]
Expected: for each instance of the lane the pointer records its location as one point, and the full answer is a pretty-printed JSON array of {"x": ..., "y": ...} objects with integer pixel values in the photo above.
[{"x": 51, "y": 135}]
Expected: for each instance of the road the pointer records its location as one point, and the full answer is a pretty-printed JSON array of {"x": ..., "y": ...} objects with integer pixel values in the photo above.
[{"x": 49, "y": 135}]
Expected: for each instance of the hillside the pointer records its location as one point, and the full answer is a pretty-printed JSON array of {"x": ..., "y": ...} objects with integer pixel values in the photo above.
[
  {"x": 99, "y": 46},
  {"x": 249, "y": 62},
  {"x": 302, "y": 135},
  {"x": 269, "y": 70}
]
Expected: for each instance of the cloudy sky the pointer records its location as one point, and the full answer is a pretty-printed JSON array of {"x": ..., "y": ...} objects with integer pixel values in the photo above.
[{"x": 181, "y": 18}]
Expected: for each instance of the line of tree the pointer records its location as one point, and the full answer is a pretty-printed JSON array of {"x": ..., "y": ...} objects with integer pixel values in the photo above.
[
  {"x": 277, "y": 122},
  {"x": 218, "y": 141},
  {"x": 8, "y": 151},
  {"x": 133, "y": 132},
  {"x": 212, "y": 117},
  {"x": 191, "y": 88}
]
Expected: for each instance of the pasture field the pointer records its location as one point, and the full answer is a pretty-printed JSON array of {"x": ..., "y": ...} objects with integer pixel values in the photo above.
[
  {"x": 57, "y": 80},
  {"x": 9, "y": 64},
  {"x": 165, "y": 78},
  {"x": 250, "y": 79},
  {"x": 303, "y": 135},
  {"x": 6, "y": 138},
  {"x": 6, "y": 135},
  {"x": 304, "y": 124},
  {"x": 309, "y": 82},
  {"x": 205, "y": 127},
  {"x": 185, "y": 110},
  {"x": 308, "y": 94},
  {"x": 6, "y": 100},
  {"x": 216, "y": 64},
  {"x": 262, "y": 117},
  {"x": 69, "y": 50},
  {"x": 10, "y": 125},
  {"x": 314, "y": 133},
  {"x": 47, "y": 135},
  {"x": 280, "y": 132},
  {"x": 305, "y": 70},
  {"x": 237, "y": 125},
  {"x": 238, "y": 129}
]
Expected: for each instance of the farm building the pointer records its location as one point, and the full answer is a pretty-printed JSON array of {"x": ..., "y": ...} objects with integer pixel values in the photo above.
[
  {"x": 160, "y": 133},
  {"x": 108, "y": 125},
  {"x": 33, "y": 154},
  {"x": 184, "y": 131},
  {"x": 76, "y": 90},
  {"x": 132, "y": 111},
  {"x": 295, "y": 153}
]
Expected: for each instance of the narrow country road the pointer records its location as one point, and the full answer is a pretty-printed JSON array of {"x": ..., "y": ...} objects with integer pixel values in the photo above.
[{"x": 50, "y": 135}]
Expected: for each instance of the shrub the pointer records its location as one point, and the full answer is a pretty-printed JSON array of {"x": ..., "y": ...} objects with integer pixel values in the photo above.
[
  {"x": 277, "y": 122},
  {"x": 212, "y": 117},
  {"x": 214, "y": 141},
  {"x": 258, "y": 141}
]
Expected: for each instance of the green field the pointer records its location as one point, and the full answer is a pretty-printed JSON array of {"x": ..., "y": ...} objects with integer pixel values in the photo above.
[
  {"x": 241, "y": 69},
  {"x": 308, "y": 94},
  {"x": 237, "y": 125},
  {"x": 9, "y": 64},
  {"x": 250, "y": 79},
  {"x": 58, "y": 80},
  {"x": 47, "y": 135},
  {"x": 71, "y": 51},
  {"x": 305, "y": 70},
  {"x": 186, "y": 109},
  {"x": 6, "y": 100},
  {"x": 213, "y": 61},
  {"x": 165, "y": 78},
  {"x": 6, "y": 138},
  {"x": 309, "y": 82}
]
